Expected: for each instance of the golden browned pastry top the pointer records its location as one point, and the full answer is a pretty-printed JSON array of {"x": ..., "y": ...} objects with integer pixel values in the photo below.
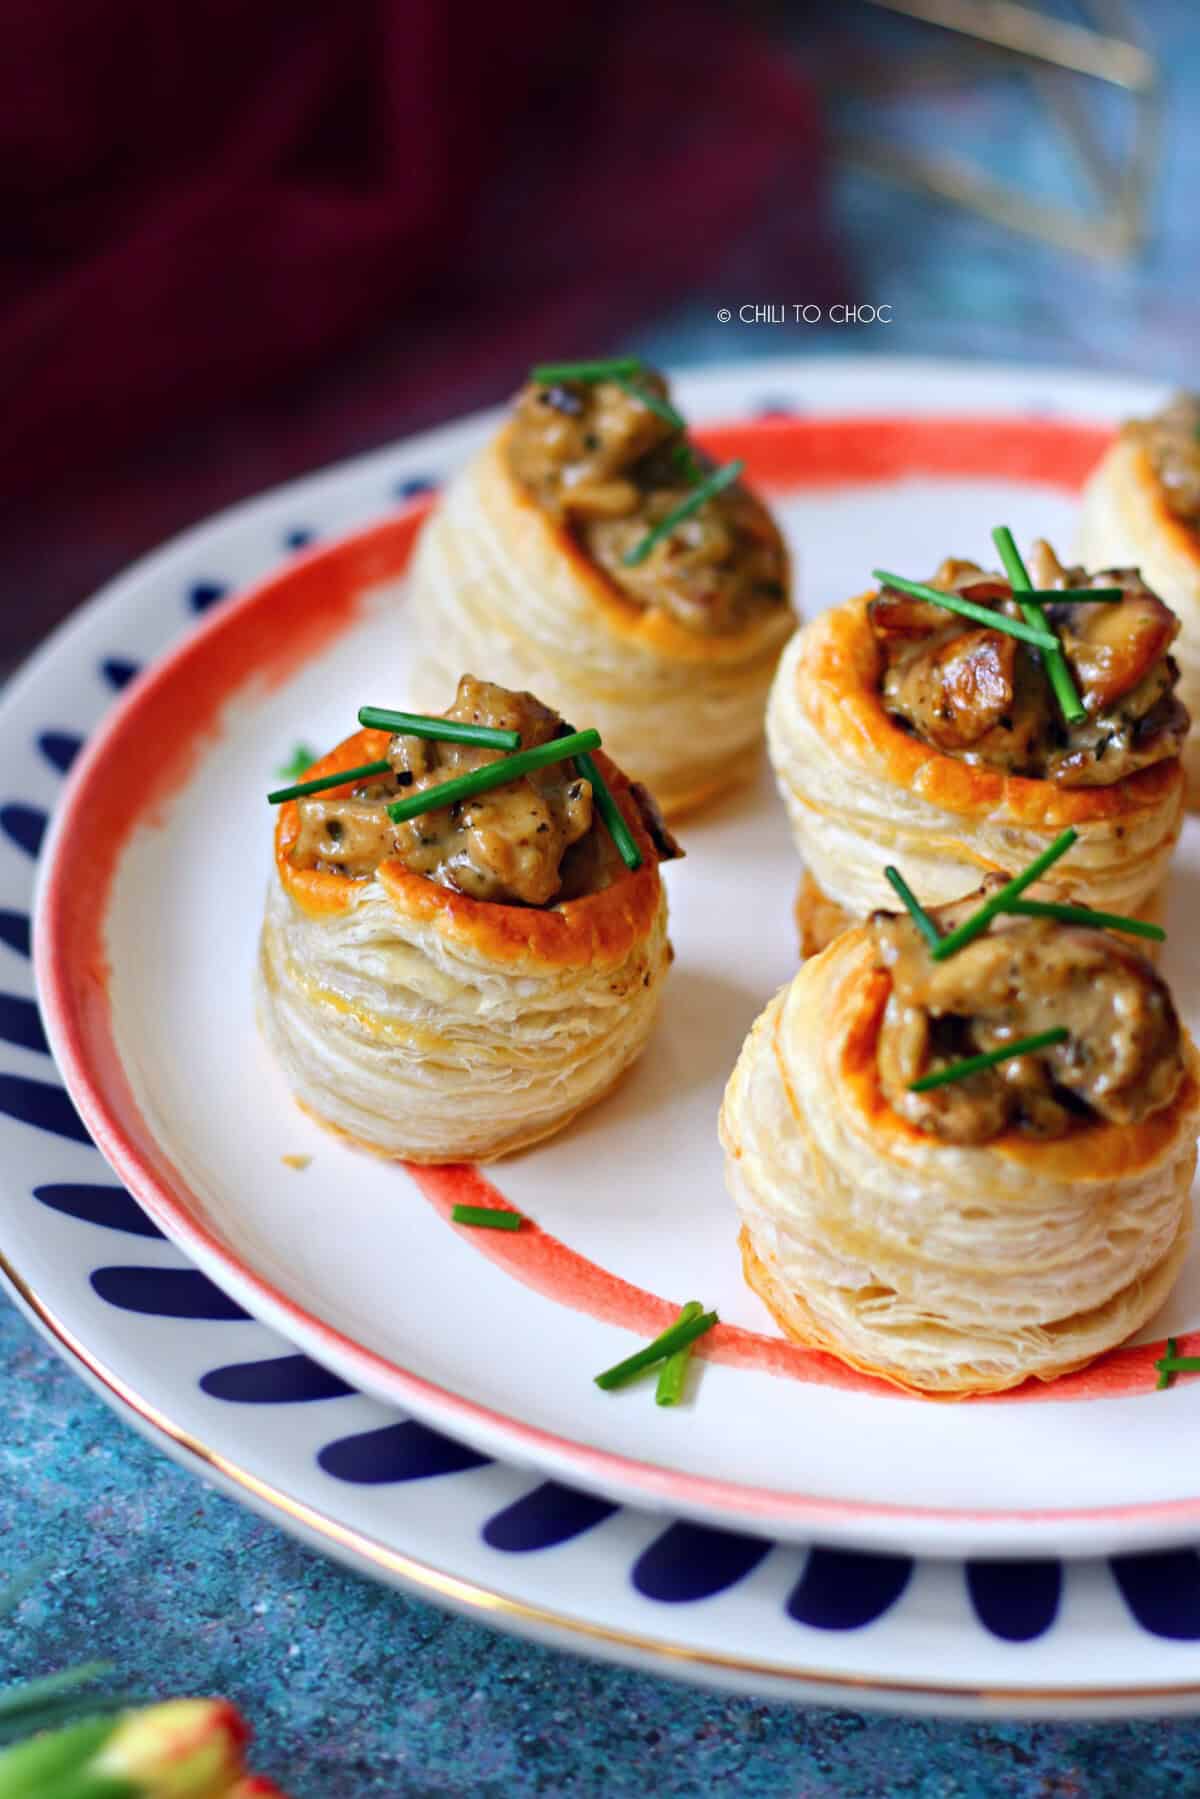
[
  {"x": 1120, "y": 1062},
  {"x": 528, "y": 869},
  {"x": 981, "y": 695},
  {"x": 859, "y": 1005},
  {"x": 608, "y": 461},
  {"x": 839, "y": 684},
  {"x": 1171, "y": 440}
]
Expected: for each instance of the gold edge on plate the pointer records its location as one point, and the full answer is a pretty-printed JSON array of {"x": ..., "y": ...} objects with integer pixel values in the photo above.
[{"x": 471, "y": 1597}]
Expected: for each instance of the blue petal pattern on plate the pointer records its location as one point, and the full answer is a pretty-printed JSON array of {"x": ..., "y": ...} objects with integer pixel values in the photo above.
[
  {"x": 694, "y": 1561},
  {"x": 843, "y": 1589},
  {"x": 21, "y": 1023},
  {"x": 298, "y": 538},
  {"x": 408, "y": 1451},
  {"x": 1162, "y": 1590},
  {"x": 412, "y": 485},
  {"x": 547, "y": 1516},
  {"x": 1015, "y": 1600},
  {"x": 111, "y": 1207},
  {"x": 277, "y": 1380},
  {"x": 204, "y": 594},
  {"x": 40, "y": 1104},
  {"x": 118, "y": 672},
  {"x": 166, "y": 1293},
  {"x": 16, "y": 931},
  {"x": 24, "y": 825},
  {"x": 60, "y": 748}
]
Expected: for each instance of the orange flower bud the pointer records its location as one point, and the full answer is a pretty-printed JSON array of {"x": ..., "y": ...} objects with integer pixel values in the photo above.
[{"x": 184, "y": 1749}]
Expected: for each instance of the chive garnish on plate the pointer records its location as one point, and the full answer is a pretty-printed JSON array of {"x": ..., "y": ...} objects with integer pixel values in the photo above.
[
  {"x": 320, "y": 782},
  {"x": 958, "y": 1071},
  {"x": 1107, "y": 921},
  {"x": 978, "y": 922},
  {"x": 662, "y": 409},
  {"x": 673, "y": 1374},
  {"x": 488, "y": 1218},
  {"x": 1165, "y": 1376},
  {"x": 1038, "y": 634},
  {"x": 600, "y": 369},
  {"x": 439, "y": 730},
  {"x": 711, "y": 485},
  {"x": 915, "y": 909},
  {"x": 610, "y": 812},
  {"x": 1069, "y": 702},
  {"x": 678, "y": 1334},
  {"x": 493, "y": 774}
]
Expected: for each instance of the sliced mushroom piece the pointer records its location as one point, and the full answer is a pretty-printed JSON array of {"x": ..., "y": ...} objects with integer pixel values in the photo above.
[
  {"x": 957, "y": 690},
  {"x": 1111, "y": 647}
]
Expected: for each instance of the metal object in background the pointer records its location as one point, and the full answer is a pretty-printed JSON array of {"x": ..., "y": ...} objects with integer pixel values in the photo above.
[{"x": 1054, "y": 52}]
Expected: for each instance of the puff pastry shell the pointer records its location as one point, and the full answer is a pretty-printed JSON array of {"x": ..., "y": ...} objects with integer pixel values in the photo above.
[
  {"x": 861, "y": 793},
  {"x": 497, "y": 584},
  {"x": 1125, "y": 523},
  {"x": 944, "y": 1269},
  {"x": 431, "y": 1026}
]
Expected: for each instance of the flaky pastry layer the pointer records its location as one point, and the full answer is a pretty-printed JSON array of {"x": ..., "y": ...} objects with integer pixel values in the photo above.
[
  {"x": 946, "y": 1269},
  {"x": 861, "y": 793},
  {"x": 434, "y": 1027},
  {"x": 1124, "y": 522},
  {"x": 498, "y": 585}
]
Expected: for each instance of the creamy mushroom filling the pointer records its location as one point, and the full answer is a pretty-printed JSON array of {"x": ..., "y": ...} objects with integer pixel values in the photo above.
[
  {"x": 610, "y": 468},
  {"x": 1172, "y": 441},
  {"x": 535, "y": 841},
  {"x": 1121, "y": 1060},
  {"x": 983, "y": 696}
]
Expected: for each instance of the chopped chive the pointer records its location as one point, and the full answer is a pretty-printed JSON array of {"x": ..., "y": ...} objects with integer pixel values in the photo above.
[
  {"x": 958, "y": 1071},
  {"x": 711, "y": 485},
  {"x": 686, "y": 461},
  {"x": 1165, "y": 1376},
  {"x": 916, "y": 910},
  {"x": 973, "y": 927},
  {"x": 599, "y": 370},
  {"x": 662, "y": 409},
  {"x": 301, "y": 758},
  {"x": 440, "y": 730},
  {"x": 491, "y": 1218},
  {"x": 1180, "y": 1364},
  {"x": 323, "y": 781},
  {"x": 1044, "y": 595},
  {"x": 610, "y": 812},
  {"x": 1069, "y": 702},
  {"x": 493, "y": 774},
  {"x": 674, "y": 1370},
  {"x": 672, "y": 1339},
  {"x": 1107, "y": 921},
  {"x": 1036, "y": 634}
]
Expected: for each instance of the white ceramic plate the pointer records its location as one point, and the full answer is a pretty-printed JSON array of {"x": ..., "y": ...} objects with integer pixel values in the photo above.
[{"x": 154, "y": 878}]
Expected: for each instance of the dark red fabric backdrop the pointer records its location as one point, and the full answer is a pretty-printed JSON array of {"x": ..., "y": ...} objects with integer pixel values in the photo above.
[{"x": 244, "y": 239}]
